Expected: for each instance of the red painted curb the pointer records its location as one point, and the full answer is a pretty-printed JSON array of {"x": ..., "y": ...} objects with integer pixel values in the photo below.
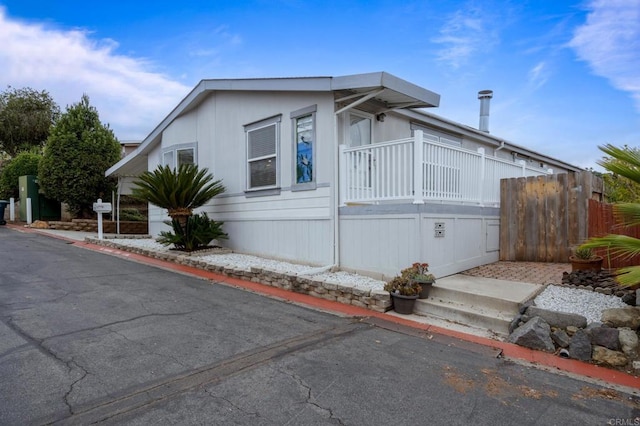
[{"x": 508, "y": 349}]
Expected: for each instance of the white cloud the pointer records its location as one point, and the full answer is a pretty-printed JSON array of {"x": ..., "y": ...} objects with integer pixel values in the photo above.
[
  {"x": 128, "y": 94},
  {"x": 463, "y": 35},
  {"x": 610, "y": 43},
  {"x": 538, "y": 75}
]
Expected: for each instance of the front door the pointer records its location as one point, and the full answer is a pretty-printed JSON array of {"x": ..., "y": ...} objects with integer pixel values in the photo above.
[{"x": 361, "y": 162}]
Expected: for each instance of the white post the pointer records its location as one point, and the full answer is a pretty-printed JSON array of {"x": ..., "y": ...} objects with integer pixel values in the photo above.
[
  {"x": 12, "y": 209},
  {"x": 481, "y": 177},
  {"x": 29, "y": 214},
  {"x": 523, "y": 164},
  {"x": 418, "y": 180},
  {"x": 342, "y": 175},
  {"x": 99, "y": 221}
]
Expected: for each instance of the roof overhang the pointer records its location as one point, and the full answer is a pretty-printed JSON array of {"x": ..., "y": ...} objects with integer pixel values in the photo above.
[{"x": 391, "y": 93}]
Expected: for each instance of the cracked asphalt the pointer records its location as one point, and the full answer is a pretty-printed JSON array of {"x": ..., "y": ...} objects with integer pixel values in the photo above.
[{"x": 90, "y": 338}]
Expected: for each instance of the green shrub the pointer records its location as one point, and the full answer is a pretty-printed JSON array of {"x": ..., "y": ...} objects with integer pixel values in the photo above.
[
  {"x": 25, "y": 163},
  {"x": 198, "y": 232},
  {"x": 132, "y": 215}
]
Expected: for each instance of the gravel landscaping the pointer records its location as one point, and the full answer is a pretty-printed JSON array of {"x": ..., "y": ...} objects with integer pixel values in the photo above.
[{"x": 563, "y": 299}]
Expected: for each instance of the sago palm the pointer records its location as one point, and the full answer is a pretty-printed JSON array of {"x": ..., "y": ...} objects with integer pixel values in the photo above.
[
  {"x": 179, "y": 191},
  {"x": 626, "y": 163}
]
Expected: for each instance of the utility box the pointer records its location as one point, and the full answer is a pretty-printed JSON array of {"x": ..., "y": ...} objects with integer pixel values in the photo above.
[{"x": 42, "y": 208}]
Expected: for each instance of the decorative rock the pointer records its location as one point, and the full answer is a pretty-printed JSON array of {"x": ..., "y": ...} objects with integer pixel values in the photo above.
[
  {"x": 636, "y": 365},
  {"x": 523, "y": 308},
  {"x": 571, "y": 330},
  {"x": 557, "y": 319},
  {"x": 534, "y": 334},
  {"x": 515, "y": 323},
  {"x": 561, "y": 338},
  {"x": 602, "y": 355},
  {"x": 629, "y": 299},
  {"x": 622, "y": 317},
  {"x": 638, "y": 297},
  {"x": 607, "y": 337},
  {"x": 580, "y": 346},
  {"x": 628, "y": 342}
]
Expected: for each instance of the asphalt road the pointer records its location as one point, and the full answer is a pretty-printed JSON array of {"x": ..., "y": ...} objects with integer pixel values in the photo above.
[{"x": 91, "y": 338}]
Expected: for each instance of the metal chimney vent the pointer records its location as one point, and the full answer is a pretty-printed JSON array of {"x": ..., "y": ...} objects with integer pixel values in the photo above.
[{"x": 485, "y": 99}]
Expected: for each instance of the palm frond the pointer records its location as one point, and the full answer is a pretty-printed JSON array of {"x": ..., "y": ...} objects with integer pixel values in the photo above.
[
  {"x": 627, "y": 214},
  {"x": 184, "y": 189},
  {"x": 628, "y": 276},
  {"x": 619, "y": 246},
  {"x": 628, "y": 164}
]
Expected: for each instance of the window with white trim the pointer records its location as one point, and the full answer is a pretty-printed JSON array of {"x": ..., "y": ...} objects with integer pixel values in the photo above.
[
  {"x": 304, "y": 139},
  {"x": 176, "y": 155},
  {"x": 263, "y": 141}
]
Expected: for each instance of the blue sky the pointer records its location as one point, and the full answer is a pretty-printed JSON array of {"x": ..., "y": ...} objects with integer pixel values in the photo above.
[{"x": 565, "y": 75}]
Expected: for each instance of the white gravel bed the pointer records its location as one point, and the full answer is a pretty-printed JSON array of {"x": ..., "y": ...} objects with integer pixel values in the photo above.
[
  {"x": 246, "y": 262},
  {"x": 587, "y": 303}
]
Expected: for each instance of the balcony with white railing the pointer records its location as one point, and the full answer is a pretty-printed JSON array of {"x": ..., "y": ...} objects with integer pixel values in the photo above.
[{"x": 421, "y": 169}]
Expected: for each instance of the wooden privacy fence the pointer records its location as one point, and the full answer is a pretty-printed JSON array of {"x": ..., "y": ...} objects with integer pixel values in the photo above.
[
  {"x": 543, "y": 217},
  {"x": 602, "y": 222}
]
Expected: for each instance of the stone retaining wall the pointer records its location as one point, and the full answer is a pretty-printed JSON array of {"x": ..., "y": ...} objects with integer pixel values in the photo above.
[
  {"x": 375, "y": 300},
  {"x": 108, "y": 227}
]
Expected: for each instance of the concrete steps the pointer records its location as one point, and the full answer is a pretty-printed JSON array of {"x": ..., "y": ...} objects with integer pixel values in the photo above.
[{"x": 476, "y": 302}]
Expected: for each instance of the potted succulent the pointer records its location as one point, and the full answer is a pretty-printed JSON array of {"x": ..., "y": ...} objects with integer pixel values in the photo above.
[
  {"x": 419, "y": 273},
  {"x": 404, "y": 293},
  {"x": 583, "y": 259}
]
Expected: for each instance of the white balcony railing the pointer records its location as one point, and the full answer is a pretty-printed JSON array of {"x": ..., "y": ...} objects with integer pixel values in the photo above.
[{"x": 385, "y": 172}]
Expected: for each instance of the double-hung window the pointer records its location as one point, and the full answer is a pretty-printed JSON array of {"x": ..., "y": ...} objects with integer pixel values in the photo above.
[{"x": 263, "y": 140}]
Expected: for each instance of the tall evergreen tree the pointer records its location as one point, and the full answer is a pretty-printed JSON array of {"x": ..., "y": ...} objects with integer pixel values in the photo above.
[
  {"x": 77, "y": 153},
  {"x": 26, "y": 116}
]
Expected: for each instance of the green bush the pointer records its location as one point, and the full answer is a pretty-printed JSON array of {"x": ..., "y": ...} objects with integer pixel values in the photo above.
[
  {"x": 198, "y": 232},
  {"x": 132, "y": 215},
  {"x": 25, "y": 163}
]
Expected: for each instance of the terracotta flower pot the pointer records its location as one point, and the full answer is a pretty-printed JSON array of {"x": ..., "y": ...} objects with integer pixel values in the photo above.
[{"x": 594, "y": 264}]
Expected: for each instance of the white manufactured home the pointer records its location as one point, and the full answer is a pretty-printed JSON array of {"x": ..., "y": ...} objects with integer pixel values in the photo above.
[{"x": 344, "y": 171}]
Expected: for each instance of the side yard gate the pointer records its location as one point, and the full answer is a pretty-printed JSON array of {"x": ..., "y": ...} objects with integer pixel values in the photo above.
[{"x": 543, "y": 217}]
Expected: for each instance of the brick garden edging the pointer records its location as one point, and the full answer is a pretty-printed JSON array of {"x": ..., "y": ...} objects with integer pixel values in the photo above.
[{"x": 375, "y": 300}]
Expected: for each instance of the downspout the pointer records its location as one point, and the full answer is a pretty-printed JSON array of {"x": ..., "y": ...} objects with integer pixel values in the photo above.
[{"x": 336, "y": 195}]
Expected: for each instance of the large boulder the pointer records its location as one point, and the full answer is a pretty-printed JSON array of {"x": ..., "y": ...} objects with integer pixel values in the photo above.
[
  {"x": 534, "y": 334},
  {"x": 580, "y": 346},
  {"x": 602, "y": 355},
  {"x": 622, "y": 317},
  {"x": 557, "y": 319},
  {"x": 605, "y": 336}
]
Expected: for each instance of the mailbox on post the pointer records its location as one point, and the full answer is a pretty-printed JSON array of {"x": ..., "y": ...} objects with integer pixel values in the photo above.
[{"x": 101, "y": 208}]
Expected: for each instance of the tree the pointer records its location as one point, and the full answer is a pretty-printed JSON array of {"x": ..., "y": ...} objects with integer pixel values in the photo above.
[
  {"x": 26, "y": 116},
  {"x": 180, "y": 192},
  {"x": 78, "y": 152},
  {"x": 626, "y": 163},
  {"x": 25, "y": 163}
]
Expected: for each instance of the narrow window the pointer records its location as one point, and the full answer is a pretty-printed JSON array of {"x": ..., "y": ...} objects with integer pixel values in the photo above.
[{"x": 167, "y": 159}]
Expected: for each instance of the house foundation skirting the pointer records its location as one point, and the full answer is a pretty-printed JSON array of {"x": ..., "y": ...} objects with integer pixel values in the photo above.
[{"x": 375, "y": 300}]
